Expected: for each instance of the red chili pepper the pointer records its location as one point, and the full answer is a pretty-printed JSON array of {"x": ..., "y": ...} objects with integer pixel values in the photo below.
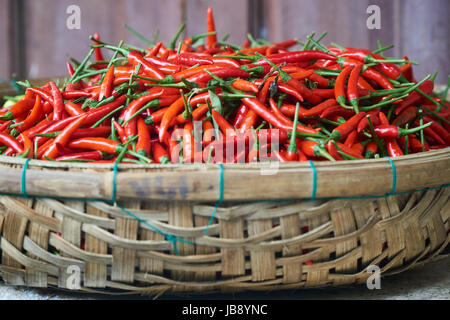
[
  {"x": 393, "y": 148},
  {"x": 120, "y": 131},
  {"x": 394, "y": 132},
  {"x": 211, "y": 39},
  {"x": 34, "y": 116},
  {"x": 58, "y": 105},
  {"x": 313, "y": 149},
  {"x": 96, "y": 143},
  {"x": 436, "y": 127},
  {"x": 96, "y": 114},
  {"x": 20, "y": 108},
  {"x": 107, "y": 83},
  {"x": 339, "y": 88},
  {"x": 364, "y": 123},
  {"x": 265, "y": 113},
  {"x": 279, "y": 114},
  {"x": 27, "y": 146},
  {"x": 405, "y": 116},
  {"x": 342, "y": 131},
  {"x": 143, "y": 145},
  {"x": 244, "y": 85},
  {"x": 73, "y": 109},
  {"x": 415, "y": 97},
  {"x": 174, "y": 109},
  {"x": 296, "y": 56},
  {"x": 224, "y": 126},
  {"x": 89, "y": 155},
  {"x": 371, "y": 149},
  {"x": 64, "y": 137},
  {"x": 352, "y": 87},
  {"x": 191, "y": 59},
  {"x": 11, "y": 142},
  {"x": 290, "y": 90},
  {"x": 149, "y": 69},
  {"x": 331, "y": 147},
  {"x": 366, "y": 56},
  {"x": 223, "y": 72},
  {"x": 160, "y": 154}
]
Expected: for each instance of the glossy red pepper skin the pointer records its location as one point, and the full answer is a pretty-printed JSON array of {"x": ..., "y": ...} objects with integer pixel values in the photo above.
[
  {"x": 143, "y": 144},
  {"x": 64, "y": 137},
  {"x": 211, "y": 40},
  {"x": 393, "y": 148},
  {"x": 58, "y": 104},
  {"x": 342, "y": 131},
  {"x": 265, "y": 113},
  {"x": 192, "y": 59},
  {"x": 95, "y": 143},
  {"x": 414, "y": 97},
  {"x": 339, "y": 88},
  {"x": 11, "y": 142},
  {"x": 389, "y": 69},
  {"x": 149, "y": 69},
  {"x": 296, "y": 56},
  {"x": 223, "y": 72}
]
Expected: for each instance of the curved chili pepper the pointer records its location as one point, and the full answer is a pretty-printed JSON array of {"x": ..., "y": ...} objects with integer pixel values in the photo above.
[
  {"x": 436, "y": 127},
  {"x": 27, "y": 146},
  {"x": 339, "y": 88},
  {"x": 143, "y": 144},
  {"x": 11, "y": 142},
  {"x": 58, "y": 105},
  {"x": 224, "y": 126},
  {"x": 318, "y": 109},
  {"x": 20, "y": 108},
  {"x": 208, "y": 131},
  {"x": 34, "y": 116},
  {"x": 279, "y": 114},
  {"x": 331, "y": 147},
  {"x": 264, "y": 113},
  {"x": 96, "y": 143},
  {"x": 160, "y": 154},
  {"x": 296, "y": 56},
  {"x": 89, "y": 155},
  {"x": 415, "y": 97},
  {"x": 223, "y": 72},
  {"x": 394, "y": 132},
  {"x": 74, "y": 94},
  {"x": 120, "y": 131},
  {"x": 106, "y": 86},
  {"x": 407, "y": 115},
  {"x": 244, "y": 85},
  {"x": 364, "y": 123},
  {"x": 371, "y": 149},
  {"x": 313, "y": 149},
  {"x": 73, "y": 109},
  {"x": 366, "y": 56},
  {"x": 64, "y": 137},
  {"x": 393, "y": 148},
  {"x": 173, "y": 110},
  {"x": 342, "y": 131},
  {"x": 224, "y": 61},
  {"x": 211, "y": 39},
  {"x": 352, "y": 87},
  {"x": 191, "y": 59},
  {"x": 290, "y": 90},
  {"x": 149, "y": 69}
]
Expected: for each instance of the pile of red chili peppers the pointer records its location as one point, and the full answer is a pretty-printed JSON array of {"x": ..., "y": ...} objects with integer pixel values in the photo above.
[{"x": 206, "y": 100}]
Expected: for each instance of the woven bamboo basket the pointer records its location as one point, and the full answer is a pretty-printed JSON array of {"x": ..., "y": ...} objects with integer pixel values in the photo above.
[{"x": 266, "y": 234}]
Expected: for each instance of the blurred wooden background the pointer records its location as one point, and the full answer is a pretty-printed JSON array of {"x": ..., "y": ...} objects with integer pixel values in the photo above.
[{"x": 35, "y": 41}]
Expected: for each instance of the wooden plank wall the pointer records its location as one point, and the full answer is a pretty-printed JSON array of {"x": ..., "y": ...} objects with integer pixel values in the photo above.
[
  {"x": 419, "y": 29},
  {"x": 4, "y": 40}
]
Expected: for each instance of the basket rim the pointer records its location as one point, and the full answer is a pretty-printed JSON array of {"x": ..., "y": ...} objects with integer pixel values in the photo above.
[{"x": 242, "y": 182}]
